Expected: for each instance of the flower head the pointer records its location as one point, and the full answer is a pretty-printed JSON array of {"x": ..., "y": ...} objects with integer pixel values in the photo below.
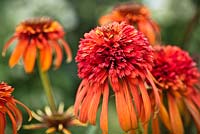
[
  {"x": 177, "y": 76},
  {"x": 134, "y": 14},
  {"x": 119, "y": 56},
  {"x": 59, "y": 121},
  {"x": 8, "y": 106},
  {"x": 38, "y": 34}
]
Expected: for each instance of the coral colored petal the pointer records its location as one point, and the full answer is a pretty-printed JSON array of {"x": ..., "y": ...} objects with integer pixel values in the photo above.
[
  {"x": 155, "y": 126},
  {"x": 59, "y": 56},
  {"x": 18, "y": 115},
  {"x": 146, "y": 101},
  {"x": 194, "y": 112},
  {"x": 14, "y": 125},
  {"x": 67, "y": 50},
  {"x": 92, "y": 111},
  {"x": 83, "y": 115},
  {"x": 104, "y": 111},
  {"x": 155, "y": 91},
  {"x": 45, "y": 58},
  {"x": 131, "y": 109},
  {"x": 122, "y": 110},
  {"x": 136, "y": 97},
  {"x": 30, "y": 57},
  {"x": 2, "y": 123},
  {"x": 79, "y": 97},
  {"x": 175, "y": 118},
  {"x": 148, "y": 31},
  {"x": 9, "y": 42},
  {"x": 164, "y": 116},
  {"x": 18, "y": 52}
]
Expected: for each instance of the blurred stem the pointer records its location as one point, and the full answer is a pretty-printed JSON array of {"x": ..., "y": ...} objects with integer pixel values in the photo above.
[
  {"x": 190, "y": 27},
  {"x": 47, "y": 88}
]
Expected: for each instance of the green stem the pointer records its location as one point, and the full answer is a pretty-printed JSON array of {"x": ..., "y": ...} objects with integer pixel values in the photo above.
[
  {"x": 140, "y": 129},
  {"x": 47, "y": 88}
]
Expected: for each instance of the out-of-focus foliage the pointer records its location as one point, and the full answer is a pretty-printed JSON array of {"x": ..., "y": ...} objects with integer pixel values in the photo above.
[{"x": 78, "y": 17}]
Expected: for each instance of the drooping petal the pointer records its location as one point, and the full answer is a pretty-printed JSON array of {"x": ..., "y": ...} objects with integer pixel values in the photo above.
[
  {"x": 164, "y": 116},
  {"x": 175, "y": 118},
  {"x": 30, "y": 56},
  {"x": 92, "y": 111},
  {"x": 155, "y": 126},
  {"x": 134, "y": 121},
  {"x": 146, "y": 101},
  {"x": 17, "y": 114},
  {"x": 122, "y": 109},
  {"x": 59, "y": 56},
  {"x": 18, "y": 52},
  {"x": 104, "y": 111},
  {"x": 2, "y": 123},
  {"x": 12, "y": 118},
  {"x": 46, "y": 58},
  {"x": 82, "y": 91},
  {"x": 194, "y": 112},
  {"x": 67, "y": 50},
  {"x": 9, "y": 42}
]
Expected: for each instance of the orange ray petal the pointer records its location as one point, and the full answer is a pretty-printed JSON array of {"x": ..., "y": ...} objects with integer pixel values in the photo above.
[
  {"x": 67, "y": 50},
  {"x": 8, "y": 43},
  {"x": 122, "y": 109},
  {"x": 18, "y": 115},
  {"x": 18, "y": 52},
  {"x": 59, "y": 56},
  {"x": 129, "y": 102},
  {"x": 164, "y": 116},
  {"x": 194, "y": 112},
  {"x": 2, "y": 123},
  {"x": 26, "y": 108},
  {"x": 136, "y": 97},
  {"x": 30, "y": 56},
  {"x": 83, "y": 115},
  {"x": 175, "y": 118},
  {"x": 82, "y": 91},
  {"x": 92, "y": 111},
  {"x": 104, "y": 111},
  {"x": 146, "y": 101},
  {"x": 155, "y": 126},
  {"x": 14, "y": 125},
  {"x": 45, "y": 58}
]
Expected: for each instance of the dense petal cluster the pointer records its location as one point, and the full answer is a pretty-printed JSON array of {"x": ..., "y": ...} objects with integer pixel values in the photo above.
[
  {"x": 137, "y": 15},
  {"x": 177, "y": 77},
  {"x": 8, "y": 106},
  {"x": 118, "y": 55},
  {"x": 58, "y": 121},
  {"x": 38, "y": 34}
]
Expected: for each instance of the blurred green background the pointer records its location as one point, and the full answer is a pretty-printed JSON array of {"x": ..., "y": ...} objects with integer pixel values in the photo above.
[{"x": 179, "y": 24}]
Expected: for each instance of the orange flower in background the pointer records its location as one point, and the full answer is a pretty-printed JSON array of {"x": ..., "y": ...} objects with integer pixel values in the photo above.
[
  {"x": 119, "y": 56},
  {"x": 177, "y": 77},
  {"x": 35, "y": 35},
  {"x": 8, "y": 106},
  {"x": 58, "y": 121},
  {"x": 137, "y": 15}
]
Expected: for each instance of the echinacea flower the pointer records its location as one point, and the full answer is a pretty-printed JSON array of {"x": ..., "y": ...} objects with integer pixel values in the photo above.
[
  {"x": 137, "y": 15},
  {"x": 8, "y": 106},
  {"x": 42, "y": 35},
  {"x": 58, "y": 121},
  {"x": 177, "y": 77},
  {"x": 115, "y": 56}
]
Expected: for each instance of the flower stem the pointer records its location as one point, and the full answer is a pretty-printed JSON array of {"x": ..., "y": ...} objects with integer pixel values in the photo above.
[{"x": 47, "y": 88}]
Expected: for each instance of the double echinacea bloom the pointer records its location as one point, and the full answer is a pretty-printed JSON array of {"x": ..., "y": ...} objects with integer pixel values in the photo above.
[
  {"x": 119, "y": 57},
  {"x": 137, "y": 15},
  {"x": 38, "y": 37},
  {"x": 178, "y": 79},
  {"x": 8, "y": 105}
]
